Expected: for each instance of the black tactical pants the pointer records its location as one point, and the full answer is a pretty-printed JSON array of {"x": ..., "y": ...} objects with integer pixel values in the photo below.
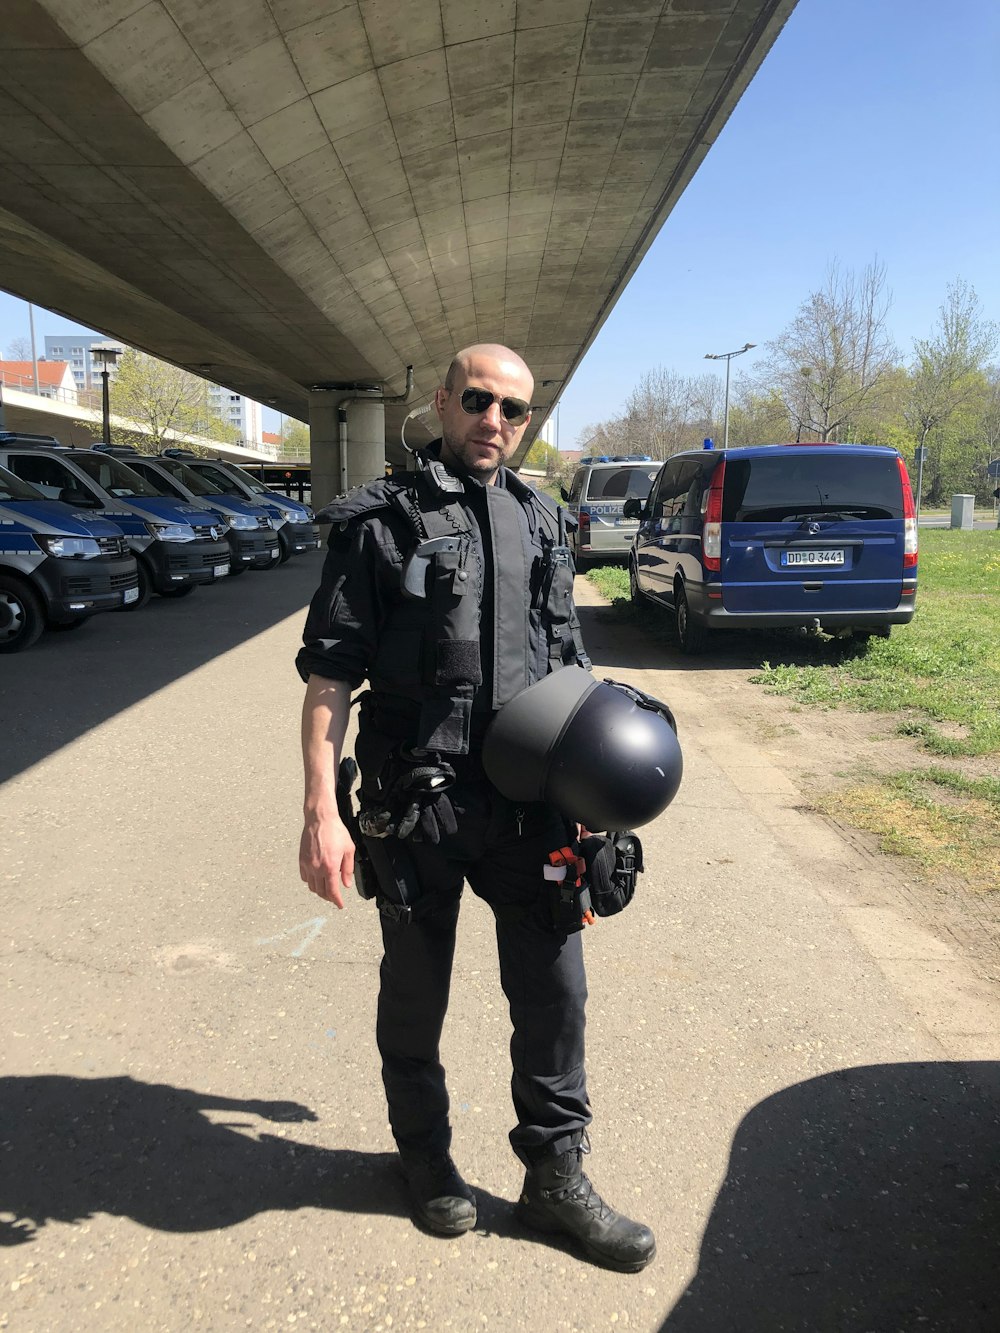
[{"x": 541, "y": 971}]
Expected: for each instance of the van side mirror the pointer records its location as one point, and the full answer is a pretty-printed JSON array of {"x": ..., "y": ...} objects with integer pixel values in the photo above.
[
  {"x": 633, "y": 508},
  {"x": 565, "y": 494},
  {"x": 69, "y": 495}
]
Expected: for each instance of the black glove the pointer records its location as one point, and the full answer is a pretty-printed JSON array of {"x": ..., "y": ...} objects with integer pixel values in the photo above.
[{"x": 419, "y": 792}]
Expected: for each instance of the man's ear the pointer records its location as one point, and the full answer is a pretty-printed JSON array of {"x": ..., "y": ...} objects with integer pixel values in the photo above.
[{"x": 440, "y": 398}]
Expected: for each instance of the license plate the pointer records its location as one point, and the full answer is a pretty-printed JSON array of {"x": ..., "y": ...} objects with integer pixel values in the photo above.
[
  {"x": 221, "y": 571},
  {"x": 812, "y": 557},
  {"x": 130, "y": 595},
  {"x": 275, "y": 553}
]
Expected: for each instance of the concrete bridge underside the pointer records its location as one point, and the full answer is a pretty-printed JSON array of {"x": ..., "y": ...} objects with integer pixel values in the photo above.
[{"x": 282, "y": 195}]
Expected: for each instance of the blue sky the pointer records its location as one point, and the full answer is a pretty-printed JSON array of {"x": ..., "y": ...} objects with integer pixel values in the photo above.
[{"x": 871, "y": 130}]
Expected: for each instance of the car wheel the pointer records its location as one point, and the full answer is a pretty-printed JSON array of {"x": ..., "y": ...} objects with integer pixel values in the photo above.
[
  {"x": 21, "y": 616},
  {"x": 182, "y": 590},
  {"x": 690, "y": 634},
  {"x": 145, "y": 586},
  {"x": 635, "y": 592},
  {"x": 285, "y": 547}
]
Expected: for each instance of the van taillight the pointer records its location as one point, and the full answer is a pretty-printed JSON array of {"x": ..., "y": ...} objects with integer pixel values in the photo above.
[
  {"x": 711, "y": 539},
  {"x": 909, "y": 518},
  {"x": 583, "y": 531}
]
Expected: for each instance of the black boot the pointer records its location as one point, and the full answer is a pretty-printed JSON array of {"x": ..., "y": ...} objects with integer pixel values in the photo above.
[
  {"x": 442, "y": 1200},
  {"x": 557, "y": 1196}
]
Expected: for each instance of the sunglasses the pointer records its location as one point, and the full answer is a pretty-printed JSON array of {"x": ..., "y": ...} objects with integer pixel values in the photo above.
[{"x": 513, "y": 410}]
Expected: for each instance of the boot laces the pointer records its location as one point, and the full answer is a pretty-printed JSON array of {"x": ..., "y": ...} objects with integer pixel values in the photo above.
[{"x": 580, "y": 1188}]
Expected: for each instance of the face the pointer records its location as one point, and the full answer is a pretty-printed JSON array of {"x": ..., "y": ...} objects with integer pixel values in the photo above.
[{"x": 478, "y": 444}]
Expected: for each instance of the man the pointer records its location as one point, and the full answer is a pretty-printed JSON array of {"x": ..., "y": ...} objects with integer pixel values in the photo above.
[{"x": 449, "y": 591}]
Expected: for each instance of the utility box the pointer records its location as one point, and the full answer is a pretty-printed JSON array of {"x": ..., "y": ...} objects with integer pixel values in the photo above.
[{"x": 962, "y": 511}]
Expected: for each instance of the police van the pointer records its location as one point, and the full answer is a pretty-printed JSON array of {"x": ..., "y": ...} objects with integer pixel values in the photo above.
[
  {"x": 294, "y": 520},
  {"x": 175, "y": 545},
  {"x": 807, "y": 536},
  {"x": 596, "y": 501},
  {"x": 57, "y": 567},
  {"x": 253, "y": 542}
]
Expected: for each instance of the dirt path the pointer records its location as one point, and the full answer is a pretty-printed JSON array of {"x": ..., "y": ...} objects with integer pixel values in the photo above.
[{"x": 937, "y": 939}]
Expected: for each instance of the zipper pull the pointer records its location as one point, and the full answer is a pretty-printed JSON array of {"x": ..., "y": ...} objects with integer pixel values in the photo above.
[{"x": 519, "y": 816}]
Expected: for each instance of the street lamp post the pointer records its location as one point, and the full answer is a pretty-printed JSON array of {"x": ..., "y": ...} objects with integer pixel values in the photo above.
[
  {"x": 727, "y": 357},
  {"x": 107, "y": 358}
]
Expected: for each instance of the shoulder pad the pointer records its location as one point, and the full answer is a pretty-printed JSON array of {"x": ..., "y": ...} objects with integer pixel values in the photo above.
[
  {"x": 359, "y": 502},
  {"x": 550, "y": 510}
]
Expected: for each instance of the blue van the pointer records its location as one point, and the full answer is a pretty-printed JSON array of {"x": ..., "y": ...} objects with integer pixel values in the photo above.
[
  {"x": 176, "y": 545},
  {"x": 818, "y": 536},
  {"x": 57, "y": 567},
  {"x": 295, "y": 522},
  {"x": 253, "y": 542}
]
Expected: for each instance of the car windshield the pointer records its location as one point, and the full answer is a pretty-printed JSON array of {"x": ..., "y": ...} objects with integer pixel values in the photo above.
[
  {"x": 196, "y": 482},
  {"x": 621, "y": 483},
  {"x": 254, "y": 483},
  {"x": 227, "y": 484},
  {"x": 783, "y": 487},
  {"x": 117, "y": 479},
  {"x": 13, "y": 488}
]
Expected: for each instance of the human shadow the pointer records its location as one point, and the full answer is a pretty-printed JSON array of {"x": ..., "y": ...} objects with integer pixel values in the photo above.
[
  {"x": 861, "y": 1201},
  {"x": 71, "y": 1148}
]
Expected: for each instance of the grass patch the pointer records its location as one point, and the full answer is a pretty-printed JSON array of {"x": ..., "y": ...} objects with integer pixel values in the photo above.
[
  {"x": 948, "y": 823},
  {"x": 942, "y": 671},
  {"x": 611, "y": 582}
]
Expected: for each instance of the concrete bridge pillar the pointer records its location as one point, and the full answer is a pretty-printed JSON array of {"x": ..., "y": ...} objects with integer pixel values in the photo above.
[{"x": 364, "y": 457}]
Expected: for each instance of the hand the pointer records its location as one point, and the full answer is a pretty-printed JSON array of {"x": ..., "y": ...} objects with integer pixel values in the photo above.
[
  {"x": 283, "y": 1112},
  {"x": 326, "y": 855}
]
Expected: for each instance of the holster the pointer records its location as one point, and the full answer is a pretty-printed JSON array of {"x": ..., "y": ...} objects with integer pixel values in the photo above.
[
  {"x": 613, "y": 864},
  {"x": 383, "y": 868},
  {"x": 364, "y": 874}
]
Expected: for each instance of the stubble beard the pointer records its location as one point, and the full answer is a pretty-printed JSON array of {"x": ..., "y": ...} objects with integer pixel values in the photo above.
[{"x": 458, "y": 459}]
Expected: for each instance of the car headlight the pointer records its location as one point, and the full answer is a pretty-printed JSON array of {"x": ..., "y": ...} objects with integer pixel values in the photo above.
[
  {"x": 70, "y": 548},
  {"x": 310, "y": 514},
  {"x": 242, "y": 522},
  {"x": 170, "y": 532}
]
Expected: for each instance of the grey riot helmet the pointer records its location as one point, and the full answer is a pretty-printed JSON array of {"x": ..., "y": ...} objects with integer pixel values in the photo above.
[{"x": 604, "y": 754}]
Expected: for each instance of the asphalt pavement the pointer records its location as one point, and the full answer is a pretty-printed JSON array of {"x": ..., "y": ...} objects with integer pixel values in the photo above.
[{"x": 793, "y": 1089}]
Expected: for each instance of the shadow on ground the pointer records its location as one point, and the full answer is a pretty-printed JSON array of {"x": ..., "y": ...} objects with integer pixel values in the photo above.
[
  {"x": 860, "y": 1201},
  {"x": 68, "y": 683},
  {"x": 71, "y": 1148},
  {"x": 643, "y": 639}
]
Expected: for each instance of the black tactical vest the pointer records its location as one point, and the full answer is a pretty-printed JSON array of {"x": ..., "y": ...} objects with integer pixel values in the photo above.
[{"x": 430, "y": 648}]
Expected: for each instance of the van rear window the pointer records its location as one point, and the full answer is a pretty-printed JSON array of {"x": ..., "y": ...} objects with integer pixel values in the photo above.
[
  {"x": 784, "y": 487},
  {"x": 620, "y": 483}
]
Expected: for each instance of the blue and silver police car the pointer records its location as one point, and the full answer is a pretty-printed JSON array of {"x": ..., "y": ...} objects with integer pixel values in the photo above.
[
  {"x": 57, "y": 567},
  {"x": 177, "y": 546},
  {"x": 297, "y": 530}
]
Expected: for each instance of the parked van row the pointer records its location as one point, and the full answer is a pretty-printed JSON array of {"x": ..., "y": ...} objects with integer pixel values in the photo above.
[
  {"x": 88, "y": 530},
  {"x": 802, "y": 536}
]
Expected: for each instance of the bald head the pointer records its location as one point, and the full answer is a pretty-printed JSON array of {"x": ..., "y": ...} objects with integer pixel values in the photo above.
[
  {"x": 483, "y": 382},
  {"x": 502, "y": 357}
]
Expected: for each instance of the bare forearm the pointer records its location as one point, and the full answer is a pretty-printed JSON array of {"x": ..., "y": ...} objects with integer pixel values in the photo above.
[
  {"x": 325, "y": 711},
  {"x": 326, "y": 853}
]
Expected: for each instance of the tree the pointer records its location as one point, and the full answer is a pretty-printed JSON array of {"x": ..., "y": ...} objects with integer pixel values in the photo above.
[
  {"x": 294, "y": 446},
  {"x": 947, "y": 376},
  {"x": 19, "y": 349},
  {"x": 160, "y": 397},
  {"x": 543, "y": 457},
  {"x": 831, "y": 363}
]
